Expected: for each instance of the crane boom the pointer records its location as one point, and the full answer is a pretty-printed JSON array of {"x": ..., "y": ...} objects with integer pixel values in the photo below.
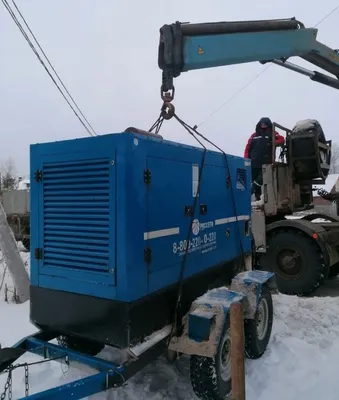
[{"x": 185, "y": 47}]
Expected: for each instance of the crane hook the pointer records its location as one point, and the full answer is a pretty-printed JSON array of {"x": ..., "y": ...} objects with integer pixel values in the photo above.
[{"x": 167, "y": 110}]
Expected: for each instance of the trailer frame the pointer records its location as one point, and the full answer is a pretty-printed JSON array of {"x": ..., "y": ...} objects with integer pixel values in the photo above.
[
  {"x": 202, "y": 334},
  {"x": 109, "y": 374}
]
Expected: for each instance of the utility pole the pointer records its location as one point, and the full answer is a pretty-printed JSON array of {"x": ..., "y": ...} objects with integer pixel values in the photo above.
[{"x": 13, "y": 258}]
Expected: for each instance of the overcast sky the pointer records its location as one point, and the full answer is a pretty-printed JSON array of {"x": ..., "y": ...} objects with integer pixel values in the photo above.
[{"x": 106, "y": 55}]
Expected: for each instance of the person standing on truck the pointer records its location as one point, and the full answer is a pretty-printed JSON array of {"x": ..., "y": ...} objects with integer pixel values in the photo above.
[{"x": 259, "y": 150}]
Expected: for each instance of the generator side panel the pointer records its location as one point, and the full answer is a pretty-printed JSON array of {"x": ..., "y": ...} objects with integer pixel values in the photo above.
[
  {"x": 170, "y": 206},
  {"x": 73, "y": 216},
  {"x": 219, "y": 229}
]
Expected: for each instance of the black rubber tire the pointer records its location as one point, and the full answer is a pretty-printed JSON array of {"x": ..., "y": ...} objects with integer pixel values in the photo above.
[
  {"x": 333, "y": 271},
  {"x": 312, "y": 262},
  {"x": 205, "y": 374},
  {"x": 81, "y": 345},
  {"x": 255, "y": 346},
  {"x": 27, "y": 244}
]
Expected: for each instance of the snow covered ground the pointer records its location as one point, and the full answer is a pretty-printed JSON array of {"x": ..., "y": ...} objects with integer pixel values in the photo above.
[{"x": 300, "y": 363}]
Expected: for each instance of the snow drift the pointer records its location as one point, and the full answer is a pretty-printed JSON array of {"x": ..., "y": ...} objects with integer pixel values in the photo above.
[{"x": 300, "y": 362}]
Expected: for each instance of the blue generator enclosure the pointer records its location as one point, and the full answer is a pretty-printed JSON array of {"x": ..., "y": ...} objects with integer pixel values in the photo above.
[{"x": 110, "y": 221}]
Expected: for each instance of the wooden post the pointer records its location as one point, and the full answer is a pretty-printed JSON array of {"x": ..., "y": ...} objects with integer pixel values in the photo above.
[{"x": 237, "y": 352}]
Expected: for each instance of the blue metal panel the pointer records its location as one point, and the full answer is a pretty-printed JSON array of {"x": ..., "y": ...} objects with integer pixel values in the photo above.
[
  {"x": 199, "y": 325},
  {"x": 75, "y": 390},
  {"x": 94, "y": 219},
  {"x": 74, "y": 217},
  {"x": 77, "y": 214},
  {"x": 169, "y": 193},
  {"x": 167, "y": 196},
  {"x": 131, "y": 217},
  {"x": 78, "y": 220},
  {"x": 35, "y": 220},
  {"x": 227, "y": 49}
]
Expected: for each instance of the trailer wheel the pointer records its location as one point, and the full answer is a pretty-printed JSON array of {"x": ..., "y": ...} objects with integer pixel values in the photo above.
[
  {"x": 211, "y": 377},
  {"x": 258, "y": 330},
  {"x": 296, "y": 261},
  {"x": 79, "y": 344}
]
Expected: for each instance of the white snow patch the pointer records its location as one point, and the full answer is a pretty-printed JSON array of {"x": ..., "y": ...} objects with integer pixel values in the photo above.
[
  {"x": 24, "y": 184},
  {"x": 316, "y": 221},
  {"x": 330, "y": 184},
  {"x": 151, "y": 340},
  {"x": 219, "y": 296},
  {"x": 299, "y": 364},
  {"x": 304, "y": 124}
]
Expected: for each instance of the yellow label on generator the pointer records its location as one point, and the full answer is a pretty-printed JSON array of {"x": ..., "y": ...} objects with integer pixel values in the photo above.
[{"x": 200, "y": 50}]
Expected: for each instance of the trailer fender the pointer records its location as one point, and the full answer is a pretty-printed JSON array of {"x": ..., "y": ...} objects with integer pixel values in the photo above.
[
  {"x": 250, "y": 284},
  {"x": 204, "y": 325},
  {"x": 311, "y": 229},
  {"x": 313, "y": 216}
]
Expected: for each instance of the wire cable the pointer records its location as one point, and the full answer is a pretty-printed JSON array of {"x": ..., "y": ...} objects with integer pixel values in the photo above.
[
  {"x": 327, "y": 16},
  {"x": 18, "y": 24},
  {"x": 256, "y": 76},
  {"x": 50, "y": 64},
  {"x": 177, "y": 323},
  {"x": 234, "y": 95}
]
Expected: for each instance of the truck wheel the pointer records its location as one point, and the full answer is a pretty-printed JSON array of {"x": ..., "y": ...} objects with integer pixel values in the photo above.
[
  {"x": 27, "y": 244},
  {"x": 296, "y": 261},
  {"x": 211, "y": 377},
  {"x": 79, "y": 344},
  {"x": 258, "y": 330}
]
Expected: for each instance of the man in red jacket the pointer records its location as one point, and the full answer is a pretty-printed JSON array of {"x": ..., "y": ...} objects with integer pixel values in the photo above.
[{"x": 259, "y": 151}]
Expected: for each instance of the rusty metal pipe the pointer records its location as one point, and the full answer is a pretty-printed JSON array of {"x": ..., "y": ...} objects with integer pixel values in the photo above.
[{"x": 215, "y": 28}]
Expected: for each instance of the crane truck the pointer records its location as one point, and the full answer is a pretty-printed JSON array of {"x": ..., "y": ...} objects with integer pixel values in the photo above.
[
  {"x": 301, "y": 252},
  {"x": 116, "y": 261}
]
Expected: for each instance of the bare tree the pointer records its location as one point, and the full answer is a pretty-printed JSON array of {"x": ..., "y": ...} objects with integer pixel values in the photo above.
[
  {"x": 8, "y": 175},
  {"x": 335, "y": 159}
]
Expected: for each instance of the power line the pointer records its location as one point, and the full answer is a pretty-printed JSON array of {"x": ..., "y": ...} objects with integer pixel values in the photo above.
[
  {"x": 16, "y": 21},
  {"x": 257, "y": 76},
  {"x": 235, "y": 94},
  {"x": 327, "y": 15},
  {"x": 23, "y": 18}
]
